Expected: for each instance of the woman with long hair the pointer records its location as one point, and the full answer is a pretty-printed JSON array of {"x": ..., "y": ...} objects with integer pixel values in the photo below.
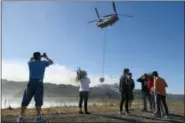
[
  {"x": 84, "y": 82},
  {"x": 131, "y": 91}
]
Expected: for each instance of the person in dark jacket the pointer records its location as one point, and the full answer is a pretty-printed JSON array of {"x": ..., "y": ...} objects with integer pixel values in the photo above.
[
  {"x": 125, "y": 90},
  {"x": 132, "y": 89},
  {"x": 145, "y": 92}
]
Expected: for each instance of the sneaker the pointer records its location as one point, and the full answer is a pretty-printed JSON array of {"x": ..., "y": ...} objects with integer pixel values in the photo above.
[
  {"x": 80, "y": 112},
  {"x": 20, "y": 119},
  {"x": 120, "y": 112},
  {"x": 127, "y": 113},
  {"x": 87, "y": 112},
  {"x": 157, "y": 115},
  {"x": 166, "y": 117},
  {"x": 151, "y": 109},
  {"x": 39, "y": 119},
  {"x": 144, "y": 110},
  {"x": 131, "y": 109}
]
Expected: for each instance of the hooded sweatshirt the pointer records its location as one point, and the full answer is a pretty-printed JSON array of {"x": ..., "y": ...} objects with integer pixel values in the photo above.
[
  {"x": 144, "y": 84},
  {"x": 125, "y": 84}
]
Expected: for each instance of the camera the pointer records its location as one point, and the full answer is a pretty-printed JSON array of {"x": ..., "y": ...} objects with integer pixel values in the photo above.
[{"x": 44, "y": 55}]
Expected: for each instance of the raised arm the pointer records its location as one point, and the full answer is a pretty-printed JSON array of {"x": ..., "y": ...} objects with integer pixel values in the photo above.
[
  {"x": 31, "y": 59},
  {"x": 50, "y": 62},
  {"x": 133, "y": 84},
  {"x": 89, "y": 80},
  {"x": 140, "y": 79},
  {"x": 166, "y": 85},
  {"x": 120, "y": 83}
]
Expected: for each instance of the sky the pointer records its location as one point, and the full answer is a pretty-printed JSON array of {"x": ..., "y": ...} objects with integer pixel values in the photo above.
[{"x": 152, "y": 40}]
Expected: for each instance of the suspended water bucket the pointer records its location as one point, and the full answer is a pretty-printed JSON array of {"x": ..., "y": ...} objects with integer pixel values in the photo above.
[{"x": 102, "y": 79}]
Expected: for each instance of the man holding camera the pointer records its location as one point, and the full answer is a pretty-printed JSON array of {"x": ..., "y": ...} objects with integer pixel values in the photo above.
[
  {"x": 145, "y": 92},
  {"x": 35, "y": 86}
]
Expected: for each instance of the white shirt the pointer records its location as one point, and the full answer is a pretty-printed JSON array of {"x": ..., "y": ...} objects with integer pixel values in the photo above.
[{"x": 84, "y": 84}]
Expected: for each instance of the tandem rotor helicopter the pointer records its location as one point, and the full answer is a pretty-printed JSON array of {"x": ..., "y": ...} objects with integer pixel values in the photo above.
[
  {"x": 104, "y": 22},
  {"x": 107, "y": 20}
]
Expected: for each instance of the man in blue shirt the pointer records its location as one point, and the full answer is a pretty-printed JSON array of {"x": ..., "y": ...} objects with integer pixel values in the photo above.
[{"x": 35, "y": 86}]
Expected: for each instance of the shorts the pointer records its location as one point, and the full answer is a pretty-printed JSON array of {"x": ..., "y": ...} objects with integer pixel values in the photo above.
[{"x": 34, "y": 88}]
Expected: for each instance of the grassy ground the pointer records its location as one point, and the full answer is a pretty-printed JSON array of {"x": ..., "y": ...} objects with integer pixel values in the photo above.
[{"x": 105, "y": 113}]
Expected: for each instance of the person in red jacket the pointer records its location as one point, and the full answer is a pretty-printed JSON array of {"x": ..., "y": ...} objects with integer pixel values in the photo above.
[
  {"x": 150, "y": 88},
  {"x": 145, "y": 91},
  {"x": 160, "y": 91}
]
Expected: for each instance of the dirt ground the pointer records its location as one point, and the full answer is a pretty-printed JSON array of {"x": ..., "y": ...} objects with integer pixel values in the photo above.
[{"x": 99, "y": 114}]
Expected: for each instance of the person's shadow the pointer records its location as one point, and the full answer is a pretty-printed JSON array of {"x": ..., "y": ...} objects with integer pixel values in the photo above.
[
  {"x": 172, "y": 118},
  {"x": 119, "y": 118}
]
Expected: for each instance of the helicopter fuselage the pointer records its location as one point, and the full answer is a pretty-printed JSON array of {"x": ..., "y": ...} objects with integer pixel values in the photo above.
[{"x": 107, "y": 21}]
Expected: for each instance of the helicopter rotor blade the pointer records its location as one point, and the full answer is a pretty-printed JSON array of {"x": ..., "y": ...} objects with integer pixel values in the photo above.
[
  {"x": 125, "y": 15},
  {"x": 92, "y": 21},
  {"x": 114, "y": 7},
  {"x": 118, "y": 15},
  {"x": 108, "y": 15},
  {"x": 97, "y": 13}
]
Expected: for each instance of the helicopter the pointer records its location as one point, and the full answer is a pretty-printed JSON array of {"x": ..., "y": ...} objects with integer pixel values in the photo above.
[{"x": 107, "y": 20}]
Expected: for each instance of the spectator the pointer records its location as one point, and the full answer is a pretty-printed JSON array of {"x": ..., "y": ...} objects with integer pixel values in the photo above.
[
  {"x": 151, "y": 90},
  {"x": 145, "y": 92},
  {"x": 160, "y": 91},
  {"x": 125, "y": 88},
  {"x": 35, "y": 86},
  {"x": 132, "y": 89},
  {"x": 83, "y": 90}
]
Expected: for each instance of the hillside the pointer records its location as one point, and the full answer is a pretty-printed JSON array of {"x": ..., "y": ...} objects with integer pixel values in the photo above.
[{"x": 15, "y": 89}]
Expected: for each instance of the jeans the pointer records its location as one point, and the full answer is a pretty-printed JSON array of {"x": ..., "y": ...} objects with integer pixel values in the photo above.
[
  {"x": 83, "y": 97},
  {"x": 153, "y": 101},
  {"x": 161, "y": 102},
  {"x": 124, "y": 97},
  {"x": 147, "y": 95}
]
